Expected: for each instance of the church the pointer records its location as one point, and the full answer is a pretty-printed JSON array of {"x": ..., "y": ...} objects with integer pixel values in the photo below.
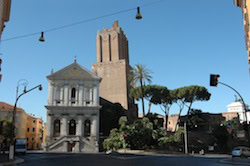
[{"x": 73, "y": 110}]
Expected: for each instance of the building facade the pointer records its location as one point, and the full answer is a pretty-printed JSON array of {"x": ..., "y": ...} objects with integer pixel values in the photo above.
[
  {"x": 27, "y": 125},
  {"x": 73, "y": 110},
  {"x": 34, "y": 132},
  {"x": 4, "y": 14},
  {"x": 4, "y": 17},
  {"x": 6, "y": 113},
  {"x": 213, "y": 119},
  {"x": 113, "y": 67},
  {"x": 238, "y": 107},
  {"x": 245, "y": 7}
]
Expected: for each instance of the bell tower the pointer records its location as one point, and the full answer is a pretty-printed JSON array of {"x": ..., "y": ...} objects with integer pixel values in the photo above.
[{"x": 113, "y": 67}]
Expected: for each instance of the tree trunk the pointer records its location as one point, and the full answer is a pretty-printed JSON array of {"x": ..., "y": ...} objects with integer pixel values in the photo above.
[
  {"x": 189, "y": 108},
  {"x": 178, "y": 119},
  {"x": 166, "y": 122},
  {"x": 142, "y": 99},
  {"x": 149, "y": 106}
]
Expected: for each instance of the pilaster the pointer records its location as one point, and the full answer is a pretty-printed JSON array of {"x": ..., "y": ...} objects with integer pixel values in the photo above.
[
  {"x": 80, "y": 95},
  {"x": 66, "y": 95},
  {"x": 64, "y": 125},
  {"x": 79, "y": 126}
]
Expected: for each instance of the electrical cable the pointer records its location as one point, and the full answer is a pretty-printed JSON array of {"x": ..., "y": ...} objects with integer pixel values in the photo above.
[{"x": 80, "y": 22}]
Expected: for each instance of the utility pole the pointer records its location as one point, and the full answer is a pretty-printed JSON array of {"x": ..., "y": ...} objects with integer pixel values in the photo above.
[{"x": 185, "y": 138}]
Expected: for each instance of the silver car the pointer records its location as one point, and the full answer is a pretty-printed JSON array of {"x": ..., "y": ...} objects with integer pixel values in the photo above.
[{"x": 241, "y": 151}]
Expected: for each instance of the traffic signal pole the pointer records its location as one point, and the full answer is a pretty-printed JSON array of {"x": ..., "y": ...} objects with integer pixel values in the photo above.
[{"x": 244, "y": 105}]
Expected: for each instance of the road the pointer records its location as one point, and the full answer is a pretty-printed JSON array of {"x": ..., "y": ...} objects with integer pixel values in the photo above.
[{"x": 67, "y": 159}]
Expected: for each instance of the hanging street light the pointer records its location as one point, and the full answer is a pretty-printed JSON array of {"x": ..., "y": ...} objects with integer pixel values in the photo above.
[
  {"x": 138, "y": 15},
  {"x": 41, "y": 39}
]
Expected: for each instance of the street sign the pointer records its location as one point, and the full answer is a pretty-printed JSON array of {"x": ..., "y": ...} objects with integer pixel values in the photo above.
[{"x": 229, "y": 124}]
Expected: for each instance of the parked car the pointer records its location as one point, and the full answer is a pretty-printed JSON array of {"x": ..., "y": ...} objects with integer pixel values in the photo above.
[{"x": 241, "y": 151}]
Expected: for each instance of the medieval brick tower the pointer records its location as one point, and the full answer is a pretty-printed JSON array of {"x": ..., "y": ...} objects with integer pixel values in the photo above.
[{"x": 113, "y": 67}]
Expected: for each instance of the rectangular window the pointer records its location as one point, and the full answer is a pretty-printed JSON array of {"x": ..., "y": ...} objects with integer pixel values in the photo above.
[
  {"x": 33, "y": 129},
  {"x": 28, "y": 129}
]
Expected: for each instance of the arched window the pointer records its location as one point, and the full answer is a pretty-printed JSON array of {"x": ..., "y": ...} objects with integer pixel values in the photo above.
[
  {"x": 73, "y": 95},
  {"x": 87, "y": 127},
  {"x": 57, "y": 125},
  {"x": 72, "y": 127}
]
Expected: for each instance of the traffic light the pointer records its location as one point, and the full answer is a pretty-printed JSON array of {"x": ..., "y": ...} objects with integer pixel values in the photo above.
[
  {"x": 214, "y": 79},
  {"x": 245, "y": 126}
]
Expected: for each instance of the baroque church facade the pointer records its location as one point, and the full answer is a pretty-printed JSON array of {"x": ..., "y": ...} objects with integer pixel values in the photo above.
[{"x": 73, "y": 110}]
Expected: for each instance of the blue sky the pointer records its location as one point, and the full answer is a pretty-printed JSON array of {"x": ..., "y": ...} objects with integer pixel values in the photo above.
[{"x": 182, "y": 42}]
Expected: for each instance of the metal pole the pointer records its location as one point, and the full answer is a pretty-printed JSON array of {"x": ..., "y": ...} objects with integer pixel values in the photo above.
[
  {"x": 185, "y": 138},
  {"x": 244, "y": 105},
  {"x": 12, "y": 130}
]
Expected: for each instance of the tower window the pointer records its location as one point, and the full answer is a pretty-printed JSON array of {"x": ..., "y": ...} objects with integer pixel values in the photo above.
[{"x": 110, "y": 52}]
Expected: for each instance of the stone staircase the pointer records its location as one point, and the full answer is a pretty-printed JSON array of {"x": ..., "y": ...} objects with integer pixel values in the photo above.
[{"x": 85, "y": 145}]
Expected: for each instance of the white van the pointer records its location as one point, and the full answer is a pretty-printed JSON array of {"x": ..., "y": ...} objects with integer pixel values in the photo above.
[{"x": 21, "y": 145}]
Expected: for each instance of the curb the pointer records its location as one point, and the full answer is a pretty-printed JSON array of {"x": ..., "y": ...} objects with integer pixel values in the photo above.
[
  {"x": 16, "y": 161},
  {"x": 230, "y": 161}
]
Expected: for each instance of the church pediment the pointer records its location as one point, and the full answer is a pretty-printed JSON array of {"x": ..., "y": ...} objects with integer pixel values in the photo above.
[{"x": 74, "y": 71}]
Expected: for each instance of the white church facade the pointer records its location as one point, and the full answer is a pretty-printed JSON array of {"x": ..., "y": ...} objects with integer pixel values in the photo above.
[
  {"x": 238, "y": 107},
  {"x": 73, "y": 110}
]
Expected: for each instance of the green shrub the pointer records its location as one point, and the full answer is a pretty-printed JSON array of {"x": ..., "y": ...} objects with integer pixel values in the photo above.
[{"x": 114, "y": 142}]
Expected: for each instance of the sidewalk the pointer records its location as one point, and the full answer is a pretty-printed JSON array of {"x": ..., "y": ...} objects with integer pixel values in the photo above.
[
  {"x": 5, "y": 161},
  {"x": 236, "y": 161},
  {"x": 225, "y": 158}
]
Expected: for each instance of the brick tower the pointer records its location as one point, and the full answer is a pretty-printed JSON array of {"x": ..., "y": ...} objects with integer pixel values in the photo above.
[{"x": 113, "y": 67}]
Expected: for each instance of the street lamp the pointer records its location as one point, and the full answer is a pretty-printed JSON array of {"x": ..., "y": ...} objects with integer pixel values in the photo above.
[{"x": 11, "y": 149}]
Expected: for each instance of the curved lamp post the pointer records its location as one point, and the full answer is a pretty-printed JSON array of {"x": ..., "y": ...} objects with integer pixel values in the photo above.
[{"x": 11, "y": 149}]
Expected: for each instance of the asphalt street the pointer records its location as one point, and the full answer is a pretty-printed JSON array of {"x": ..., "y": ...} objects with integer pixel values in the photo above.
[{"x": 67, "y": 159}]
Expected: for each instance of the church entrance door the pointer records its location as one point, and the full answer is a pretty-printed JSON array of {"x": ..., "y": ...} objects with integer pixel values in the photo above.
[{"x": 71, "y": 147}]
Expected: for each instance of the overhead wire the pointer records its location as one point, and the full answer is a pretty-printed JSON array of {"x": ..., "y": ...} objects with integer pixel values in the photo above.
[{"x": 79, "y": 22}]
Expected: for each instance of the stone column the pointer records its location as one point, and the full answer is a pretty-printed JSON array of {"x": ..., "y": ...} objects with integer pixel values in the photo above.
[
  {"x": 49, "y": 127},
  {"x": 91, "y": 96},
  {"x": 93, "y": 127},
  {"x": 95, "y": 96},
  {"x": 77, "y": 147},
  {"x": 53, "y": 94},
  {"x": 79, "y": 126},
  {"x": 97, "y": 126},
  {"x": 65, "y": 146},
  {"x": 80, "y": 95},
  {"x": 66, "y": 95},
  {"x": 84, "y": 96},
  {"x": 64, "y": 123},
  {"x": 50, "y": 92},
  {"x": 61, "y": 96}
]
